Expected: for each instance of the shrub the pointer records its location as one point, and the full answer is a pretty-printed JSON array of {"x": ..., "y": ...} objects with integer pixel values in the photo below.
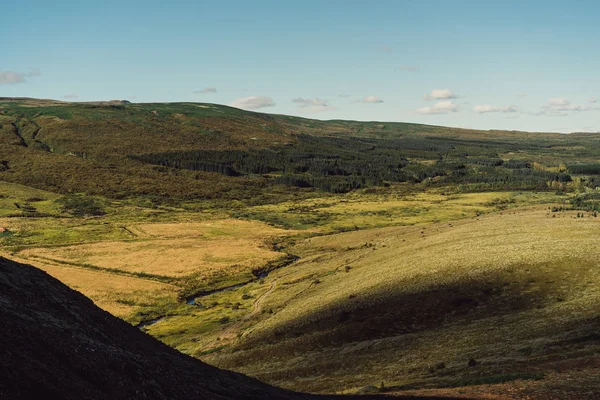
[{"x": 81, "y": 206}]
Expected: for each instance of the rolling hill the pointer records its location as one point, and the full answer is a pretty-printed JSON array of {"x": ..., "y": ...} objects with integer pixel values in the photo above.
[
  {"x": 191, "y": 151},
  {"x": 317, "y": 256},
  {"x": 506, "y": 296}
]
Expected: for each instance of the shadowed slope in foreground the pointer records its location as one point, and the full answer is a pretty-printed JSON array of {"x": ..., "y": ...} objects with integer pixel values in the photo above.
[{"x": 56, "y": 344}]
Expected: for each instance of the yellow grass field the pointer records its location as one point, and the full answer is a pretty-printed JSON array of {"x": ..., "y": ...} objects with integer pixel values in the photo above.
[
  {"x": 113, "y": 273},
  {"x": 172, "y": 258},
  {"x": 116, "y": 294},
  {"x": 390, "y": 259}
]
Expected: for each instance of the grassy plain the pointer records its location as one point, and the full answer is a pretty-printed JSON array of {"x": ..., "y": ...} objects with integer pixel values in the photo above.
[
  {"x": 205, "y": 249},
  {"x": 151, "y": 265}
]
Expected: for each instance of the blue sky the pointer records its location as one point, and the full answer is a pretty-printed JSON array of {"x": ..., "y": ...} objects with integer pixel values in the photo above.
[{"x": 523, "y": 65}]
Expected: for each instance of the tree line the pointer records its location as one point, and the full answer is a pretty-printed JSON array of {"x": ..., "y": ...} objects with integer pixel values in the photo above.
[{"x": 341, "y": 164}]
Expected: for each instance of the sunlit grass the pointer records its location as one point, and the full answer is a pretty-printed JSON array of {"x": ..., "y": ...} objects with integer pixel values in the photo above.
[{"x": 540, "y": 268}]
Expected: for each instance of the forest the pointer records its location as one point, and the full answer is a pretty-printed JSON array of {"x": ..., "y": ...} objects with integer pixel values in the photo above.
[{"x": 341, "y": 164}]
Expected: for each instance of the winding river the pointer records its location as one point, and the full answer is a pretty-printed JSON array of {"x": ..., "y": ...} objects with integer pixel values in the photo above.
[{"x": 191, "y": 300}]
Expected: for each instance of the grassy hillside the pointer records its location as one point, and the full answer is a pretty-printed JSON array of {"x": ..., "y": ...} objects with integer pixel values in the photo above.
[
  {"x": 509, "y": 293},
  {"x": 180, "y": 151},
  {"x": 322, "y": 256},
  {"x": 56, "y": 344}
]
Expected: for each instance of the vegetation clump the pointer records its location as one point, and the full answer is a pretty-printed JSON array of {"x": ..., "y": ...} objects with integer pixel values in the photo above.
[{"x": 82, "y": 206}]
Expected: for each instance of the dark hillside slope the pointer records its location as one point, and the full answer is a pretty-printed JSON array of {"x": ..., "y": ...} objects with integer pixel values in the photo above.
[{"x": 56, "y": 344}]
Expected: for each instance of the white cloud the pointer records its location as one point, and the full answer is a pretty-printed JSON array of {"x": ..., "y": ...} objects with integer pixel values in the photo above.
[
  {"x": 551, "y": 113},
  {"x": 440, "y": 94},
  {"x": 206, "y": 90},
  {"x": 253, "y": 102},
  {"x": 593, "y": 100},
  {"x": 522, "y": 94},
  {"x": 486, "y": 108},
  {"x": 561, "y": 107},
  {"x": 344, "y": 95},
  {"x": 315, "y": 104},
  {"x": 372, "y": 99},
  {"x": 71, "y": 96},
  {"x": 11, "y": 77},
  {"x": 559, "y": 104},
  {"x": 442, "y": 107}
]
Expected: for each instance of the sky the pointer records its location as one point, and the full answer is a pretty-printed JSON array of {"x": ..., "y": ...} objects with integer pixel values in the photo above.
[{"x": 519, "y": 65}]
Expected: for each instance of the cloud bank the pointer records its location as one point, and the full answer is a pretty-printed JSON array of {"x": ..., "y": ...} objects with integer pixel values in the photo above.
[
  {"x": 561, "y": 107},
  {"x": 561, "y": 104}
]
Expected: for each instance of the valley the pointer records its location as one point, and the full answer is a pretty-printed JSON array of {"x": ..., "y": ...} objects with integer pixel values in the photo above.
[{"x": 417, "y": 259}]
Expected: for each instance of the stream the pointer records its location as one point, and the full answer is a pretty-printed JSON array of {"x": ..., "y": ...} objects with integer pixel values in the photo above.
[
  {"x": 191, "y": 300},
  {"x": 144, "y": 324}
]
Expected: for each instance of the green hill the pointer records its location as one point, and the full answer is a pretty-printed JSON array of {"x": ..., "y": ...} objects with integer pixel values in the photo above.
[
  {"x": 120, "y": 150},
  {"x": 505, "y": 296},
  {"x": 320, "y": 256}
]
